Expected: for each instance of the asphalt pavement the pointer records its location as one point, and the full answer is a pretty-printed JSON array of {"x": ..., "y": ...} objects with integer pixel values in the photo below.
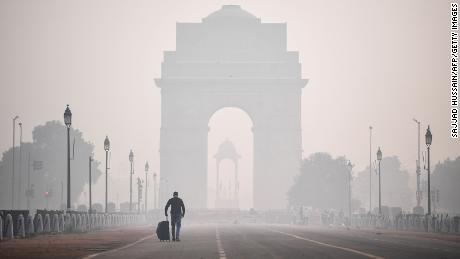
[{"x": 282, "y": 241}]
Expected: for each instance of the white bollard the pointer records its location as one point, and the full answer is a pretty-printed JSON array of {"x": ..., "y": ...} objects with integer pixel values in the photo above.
[
  {"x": 55, "y": 223},
  {"x": 92, "y": 221},
  {"x": 39, "y": 221},
  {"x": 68, "y": 223},
  {"x": 47, "y": 223},
  {"x": 21, "y": 226},
  {"x": 83, "y": 223},
  {"x": 61, "y": 223},
  {"x": 77, "y": 223},
  {"x": 30, "y": 230},
  {"x": 9, "y": 227},
  {"x": 73, "y": 222}
]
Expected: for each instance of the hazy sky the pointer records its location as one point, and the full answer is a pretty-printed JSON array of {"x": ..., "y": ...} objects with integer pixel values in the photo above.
[{"x": 378, "y": 63}]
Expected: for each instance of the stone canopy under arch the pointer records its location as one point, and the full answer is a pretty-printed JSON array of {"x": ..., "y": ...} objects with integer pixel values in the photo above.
[{"x": 231, "y": 59}]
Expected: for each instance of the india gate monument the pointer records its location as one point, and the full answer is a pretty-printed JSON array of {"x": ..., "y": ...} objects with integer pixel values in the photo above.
[{"x": 230, "y": 59}]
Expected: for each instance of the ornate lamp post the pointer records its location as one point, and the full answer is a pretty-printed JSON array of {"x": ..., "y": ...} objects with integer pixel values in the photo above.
[
  {"x": 68, "y": 123},
  {"x": 106, "y": 148},
  {"x": 428, "y": 140},
  {"x": 146, "y": 186},
  {"x": 379, "y": 157},
  {"x": 131, "y": 159}
]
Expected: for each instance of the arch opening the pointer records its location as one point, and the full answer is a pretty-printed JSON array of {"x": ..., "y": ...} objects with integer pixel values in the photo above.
[{"x": 230, "y": 159}]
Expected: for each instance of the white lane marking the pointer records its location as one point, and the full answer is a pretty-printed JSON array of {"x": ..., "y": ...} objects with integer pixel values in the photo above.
[
  {"x": 118, "y": 249},
  {"x": 329, "y": 245},
  {"x": 220, "y": 249}
]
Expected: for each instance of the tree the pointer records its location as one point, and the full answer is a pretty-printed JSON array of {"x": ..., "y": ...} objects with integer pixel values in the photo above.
[
  {"x": 446, "y": 179},
  {"x": 49, "y": 146},
  {"x": 394, "y": 184},
  {"x": 322, "y": 183}
]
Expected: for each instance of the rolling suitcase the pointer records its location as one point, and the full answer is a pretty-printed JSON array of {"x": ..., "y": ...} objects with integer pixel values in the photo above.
[{"x": 163, "y": 231}]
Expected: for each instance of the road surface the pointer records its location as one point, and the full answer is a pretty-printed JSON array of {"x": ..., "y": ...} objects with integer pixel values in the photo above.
[{"x": 278, "y": 241}]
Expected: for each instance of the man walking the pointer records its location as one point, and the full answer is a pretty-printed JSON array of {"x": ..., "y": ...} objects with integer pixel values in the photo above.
[{"x": 177, "y": 213}]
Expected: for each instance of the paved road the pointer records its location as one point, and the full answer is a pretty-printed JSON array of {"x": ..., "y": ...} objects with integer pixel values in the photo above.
[{"x": 257, "y": 241}]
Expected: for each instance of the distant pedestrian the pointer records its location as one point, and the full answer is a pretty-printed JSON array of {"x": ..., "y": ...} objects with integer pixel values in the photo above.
[{"x": 177, "y": 213}]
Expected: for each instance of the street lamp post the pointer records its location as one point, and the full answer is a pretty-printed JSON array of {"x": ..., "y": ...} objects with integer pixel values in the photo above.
[
  {"x": 370, "y": 169},
  {"x": 106, "y": 148},
  {"x": 146, "y": 186},
  {"x": 350, "y": 167},
  {"x": 131, "y": 159},
  {"x": 139, "y": 194},
  {"x": 68, "y": 123},
  {"x": 418, "y": 194},
  {"x": 12, "y": 174},
  {"x": 89, "y": 184},
  {"x": 20, "y": 167},
  {"x": 428, "y": 140},
  {"x": 379, "y": 158},
  {"x": 154, "y": 190}
]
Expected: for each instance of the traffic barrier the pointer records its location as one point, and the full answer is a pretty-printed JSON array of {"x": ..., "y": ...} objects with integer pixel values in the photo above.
[
  {"x": 39, "y": 223},
  {"x": 83, "y": 223},
  {"x": 68, "y": 223},
  {"x": 61, "y": 223},
  {"x": 77, "y": 223},
  {"x": 9, "y": 227},
  {"x": 55, "y": 223},
  {"x": 73, "y": 222},
  {"x": 21, "y": 226},
  {"x": 30, "y": 230},
  {"x": 47, "y": 224}
]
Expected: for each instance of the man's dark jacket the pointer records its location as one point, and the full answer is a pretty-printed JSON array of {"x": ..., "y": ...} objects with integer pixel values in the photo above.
[{"x": 176, "y": 204}]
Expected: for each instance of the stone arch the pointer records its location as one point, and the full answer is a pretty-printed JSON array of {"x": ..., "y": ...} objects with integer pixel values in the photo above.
[{"x": 231, "y": 59}]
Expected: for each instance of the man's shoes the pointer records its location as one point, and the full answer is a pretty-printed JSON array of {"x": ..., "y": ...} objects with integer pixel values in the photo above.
[
  {"x": 173, "y": 239},
  {"x": 178, "y": 240}
]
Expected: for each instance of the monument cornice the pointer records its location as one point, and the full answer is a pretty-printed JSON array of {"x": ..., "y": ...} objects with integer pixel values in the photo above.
[{"x": 253, "y": 82}]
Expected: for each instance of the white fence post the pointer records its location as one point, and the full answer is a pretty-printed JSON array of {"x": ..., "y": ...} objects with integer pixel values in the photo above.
[
  {"x": 21, "y": 226},
  {"x": 9, "y": 227},
  {"x": 47, "y": 225},
  {"x": 30, "y": 225},
  {"x": 55, "y": 223}
]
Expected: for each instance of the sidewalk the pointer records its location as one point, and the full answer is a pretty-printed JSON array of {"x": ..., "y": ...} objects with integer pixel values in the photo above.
[{"x": 75, "y": 245}]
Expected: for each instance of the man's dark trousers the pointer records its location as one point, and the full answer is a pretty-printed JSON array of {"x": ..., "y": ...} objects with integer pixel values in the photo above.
[{"x": 175, "y": 225}]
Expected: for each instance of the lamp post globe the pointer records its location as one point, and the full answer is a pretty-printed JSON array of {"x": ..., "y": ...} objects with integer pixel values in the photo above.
[
  {"x": 68, "y": 123},
  {"x": 428, "y": 136},
  {"x": 428, "y": 140},
  {"x": 379, "y": 154},
  {"x": 131, "y": 156},
  {"x": 106, "y": 144},
  {"x": 68, "y": 117}
]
